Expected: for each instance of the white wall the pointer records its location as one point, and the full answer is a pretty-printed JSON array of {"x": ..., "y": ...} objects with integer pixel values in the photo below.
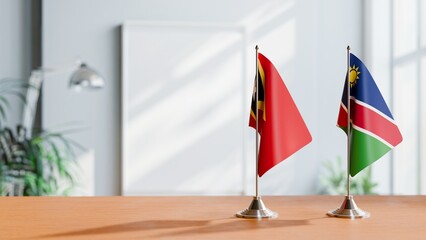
[
  {"x": 305, "y": 39},
  {"x": 15, "y": 47}
]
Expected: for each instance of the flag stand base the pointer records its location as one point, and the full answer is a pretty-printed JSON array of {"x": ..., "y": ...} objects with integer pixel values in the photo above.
[
  {"x": 348, "y": 209},
  {"x": 257, "y": 209}
]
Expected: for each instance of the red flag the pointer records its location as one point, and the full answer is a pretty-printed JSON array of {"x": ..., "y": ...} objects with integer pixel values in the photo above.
[{"x": 281, "y": 127}]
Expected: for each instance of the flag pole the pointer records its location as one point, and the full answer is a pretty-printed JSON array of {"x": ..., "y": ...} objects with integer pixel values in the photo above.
[
  {"x": 257, "y": 208},
  {"x": 348, "y": 88},
  {"x": 257, "y": 121},
  {"x": 348, "y": 209}
]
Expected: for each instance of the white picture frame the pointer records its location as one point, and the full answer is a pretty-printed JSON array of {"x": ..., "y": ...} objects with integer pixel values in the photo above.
[{"x": 183, "y": 105}]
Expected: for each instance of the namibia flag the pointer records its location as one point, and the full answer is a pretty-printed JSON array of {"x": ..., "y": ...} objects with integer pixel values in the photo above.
[
  {"x": 280, "y": 125},
  {"x": 373, "y": 130}
]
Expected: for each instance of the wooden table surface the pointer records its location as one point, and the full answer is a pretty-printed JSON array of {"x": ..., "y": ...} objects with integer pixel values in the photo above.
[{"x": 300, "y": 217}]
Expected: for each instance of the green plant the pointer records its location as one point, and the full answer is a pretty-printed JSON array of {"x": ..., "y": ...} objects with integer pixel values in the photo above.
[
  {"x": 35, "y": 166},
  {"x": 335, "y": 177},
  {"x": 41, "y": 164}
]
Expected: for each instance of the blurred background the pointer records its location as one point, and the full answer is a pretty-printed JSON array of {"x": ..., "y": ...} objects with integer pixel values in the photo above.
[{"x": 172, "y": 118}]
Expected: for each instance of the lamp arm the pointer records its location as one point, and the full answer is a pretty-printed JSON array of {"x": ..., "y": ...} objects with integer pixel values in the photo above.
[
  {"x": 33, "y": 93},
  {"x": 47, "y": 71},
  {"x": 32, "y": 96},
  {"x": 83, "y": 76}
]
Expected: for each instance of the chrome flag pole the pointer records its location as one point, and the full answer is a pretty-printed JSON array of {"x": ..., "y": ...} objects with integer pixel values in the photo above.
[
  {"x": 257, "y": 208},
  {"x": 257, "y": 122},
  {"x": 348, "y": 209}
]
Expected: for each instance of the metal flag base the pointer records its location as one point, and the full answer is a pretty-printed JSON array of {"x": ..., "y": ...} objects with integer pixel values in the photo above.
[
  {"x": 349, "y": 209},
  {"x": 257, "y": 209}
]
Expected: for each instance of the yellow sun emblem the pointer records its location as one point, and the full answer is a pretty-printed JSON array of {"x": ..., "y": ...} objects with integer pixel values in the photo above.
[{"x": 353, "y": 75}]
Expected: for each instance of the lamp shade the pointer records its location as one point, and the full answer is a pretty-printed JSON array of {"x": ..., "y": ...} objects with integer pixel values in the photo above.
[{"x": 86, "y": 77}]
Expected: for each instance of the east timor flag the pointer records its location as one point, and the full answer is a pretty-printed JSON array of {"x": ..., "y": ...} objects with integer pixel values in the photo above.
[
  {"x": 373, "y": 131},
  {"x": 281, "y": 127}
]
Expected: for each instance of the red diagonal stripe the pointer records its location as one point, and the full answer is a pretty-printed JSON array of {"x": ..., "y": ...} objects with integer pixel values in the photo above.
[
  {"x": 371, "y": 121},
  {"x": 342, "y": 119}
]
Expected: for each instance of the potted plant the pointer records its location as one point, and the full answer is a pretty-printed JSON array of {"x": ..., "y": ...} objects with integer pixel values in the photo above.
[
  {"x": 40, "y": 164},
  {"x": 333, "y": 181}
]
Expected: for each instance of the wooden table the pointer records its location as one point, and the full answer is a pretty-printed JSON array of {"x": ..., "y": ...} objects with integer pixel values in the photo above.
[{"x": 392, "y": 217}]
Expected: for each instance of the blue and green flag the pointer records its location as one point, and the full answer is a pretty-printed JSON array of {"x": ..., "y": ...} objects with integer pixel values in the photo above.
[{"x": 373, "y": 130}]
